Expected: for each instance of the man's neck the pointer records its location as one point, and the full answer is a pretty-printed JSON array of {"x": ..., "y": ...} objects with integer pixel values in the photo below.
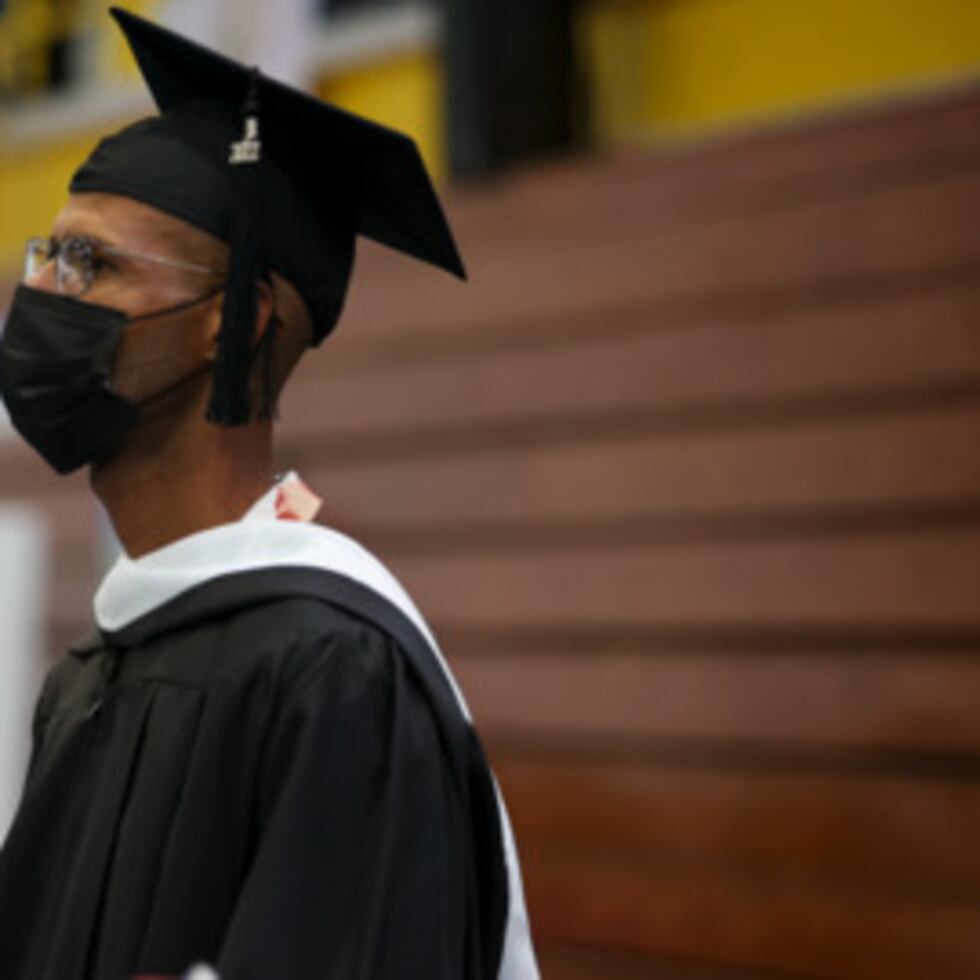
[{"x": 165, "y": 485}]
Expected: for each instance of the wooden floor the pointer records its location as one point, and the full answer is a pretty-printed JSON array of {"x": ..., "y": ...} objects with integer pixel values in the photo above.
[{"x": 687, "y": 481}]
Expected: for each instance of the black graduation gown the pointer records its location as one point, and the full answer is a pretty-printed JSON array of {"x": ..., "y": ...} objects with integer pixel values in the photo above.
[{"x": 268, "y": 773}]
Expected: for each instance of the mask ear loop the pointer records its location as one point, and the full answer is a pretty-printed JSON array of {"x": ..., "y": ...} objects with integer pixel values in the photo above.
[
  {"x": 179, "y": 308},
  {"x": 167, "y": 311},
  {"x": 263, "y": 349}
]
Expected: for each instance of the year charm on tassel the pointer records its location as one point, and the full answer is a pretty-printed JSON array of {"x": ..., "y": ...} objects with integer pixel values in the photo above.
[{"x": 249, "y": 148}]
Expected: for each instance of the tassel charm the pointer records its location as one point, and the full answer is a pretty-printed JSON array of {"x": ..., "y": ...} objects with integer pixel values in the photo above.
[{"x": 249, "y": 148}]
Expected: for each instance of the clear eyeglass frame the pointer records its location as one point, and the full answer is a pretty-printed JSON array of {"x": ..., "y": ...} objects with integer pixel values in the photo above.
[{"x": 76, "y": 259}]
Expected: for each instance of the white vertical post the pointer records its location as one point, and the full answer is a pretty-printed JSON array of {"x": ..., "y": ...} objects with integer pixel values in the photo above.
[{"x": 23, "y": 576}]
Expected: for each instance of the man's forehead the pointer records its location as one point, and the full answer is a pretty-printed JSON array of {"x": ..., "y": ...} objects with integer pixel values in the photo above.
[{"x": 115, "y": 220}]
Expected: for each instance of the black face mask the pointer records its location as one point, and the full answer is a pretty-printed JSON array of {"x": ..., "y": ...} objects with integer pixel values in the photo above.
[{"x": 55, "y": 358}]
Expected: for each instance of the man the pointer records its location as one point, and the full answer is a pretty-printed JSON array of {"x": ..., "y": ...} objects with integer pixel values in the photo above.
[{"x": 260, "y": 760}]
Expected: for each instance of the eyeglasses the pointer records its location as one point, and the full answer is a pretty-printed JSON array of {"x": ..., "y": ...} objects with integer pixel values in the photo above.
[{"x": 77, "y": 260}]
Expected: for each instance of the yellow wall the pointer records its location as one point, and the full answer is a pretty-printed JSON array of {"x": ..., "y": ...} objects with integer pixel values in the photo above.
[
  {"x": 27, "y": 27},
  {"x": 34, "y": 175},
  {"x": 668, "y": 67},
  {"x": 33, "y": 184}
]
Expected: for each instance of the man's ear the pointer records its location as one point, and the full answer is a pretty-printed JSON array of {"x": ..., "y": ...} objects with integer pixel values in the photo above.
[
  {"x": 213, "y": 325},
  {"x": 265, "y": 310}
]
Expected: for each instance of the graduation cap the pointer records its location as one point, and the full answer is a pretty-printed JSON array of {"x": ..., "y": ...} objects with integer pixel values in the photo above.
[{"x": 287, "y": 180}]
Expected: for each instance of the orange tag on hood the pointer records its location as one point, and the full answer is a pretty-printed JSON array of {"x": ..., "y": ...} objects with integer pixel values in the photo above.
[{"x": 295, "y": 501}]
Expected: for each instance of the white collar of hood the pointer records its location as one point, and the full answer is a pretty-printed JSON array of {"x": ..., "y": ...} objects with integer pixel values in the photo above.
[{"x": 135, "y": 587}]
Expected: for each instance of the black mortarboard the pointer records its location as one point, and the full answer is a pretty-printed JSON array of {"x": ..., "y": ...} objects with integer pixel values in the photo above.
[{"x": 286, "y": 179}]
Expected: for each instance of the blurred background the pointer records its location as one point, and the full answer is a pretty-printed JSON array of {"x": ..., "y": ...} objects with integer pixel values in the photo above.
[{"x": 686, "y": 478}]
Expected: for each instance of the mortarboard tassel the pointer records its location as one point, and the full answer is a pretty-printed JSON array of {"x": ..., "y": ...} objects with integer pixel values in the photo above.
[{"x": 230, "y": 397}]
